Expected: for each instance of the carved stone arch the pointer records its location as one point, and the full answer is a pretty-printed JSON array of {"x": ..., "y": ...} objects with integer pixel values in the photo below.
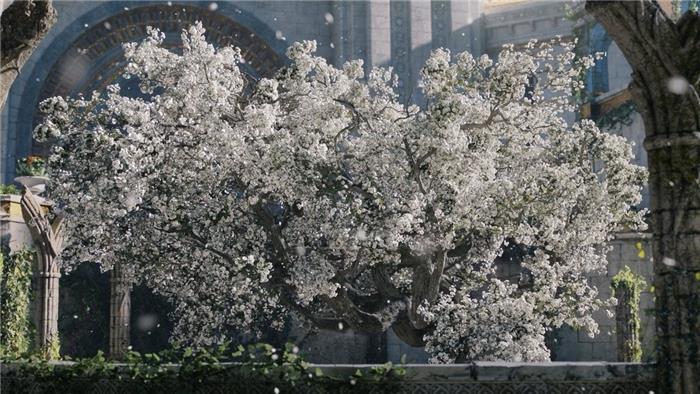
[
  {"x": 619, "y": 71},
  {"x": 599, "y": 41},
  {"x": 80, "y": 29},
  {"x": 96, "y": 58}
]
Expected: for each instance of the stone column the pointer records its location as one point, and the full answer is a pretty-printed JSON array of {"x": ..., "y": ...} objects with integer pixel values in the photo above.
[
  {"x": 626, "y": 288},
  {"x": 47, "y": 240},
  {"x": 49, "y": 275},
  {"x": 420, "y": 38},
  {"x": 119, "y": 313},
  {"x": 379, "y": 40},
  {"x": 665, "y": 85}
]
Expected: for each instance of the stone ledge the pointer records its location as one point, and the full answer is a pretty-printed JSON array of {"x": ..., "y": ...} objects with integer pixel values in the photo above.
[
  {"x": 481, "y": 371},
  {"x": 633, "y": 235}
]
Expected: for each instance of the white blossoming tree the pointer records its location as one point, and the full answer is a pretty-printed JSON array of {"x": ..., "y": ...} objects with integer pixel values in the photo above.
[{"x": 318, "y": 194}]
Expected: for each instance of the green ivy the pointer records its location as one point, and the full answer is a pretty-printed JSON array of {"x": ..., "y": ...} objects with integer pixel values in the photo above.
[
  {"x": 15, "y": 299},
  {"x": 9, "y": 189},
  {"x": 633, "y": 284},
  {"x": 53, "y": 350},
  {"x": 618, "y": 116},
  {"x": 249, "y": 368},
  {"x": 31, "y": 166}
]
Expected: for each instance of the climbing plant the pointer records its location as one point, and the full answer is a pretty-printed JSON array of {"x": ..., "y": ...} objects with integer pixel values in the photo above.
[
  {"x": 627, "y": 286},
  {"x": 618, "y": 117},
  {"x": 15, "y": 298},
  {"x": 8, "y": 189}
]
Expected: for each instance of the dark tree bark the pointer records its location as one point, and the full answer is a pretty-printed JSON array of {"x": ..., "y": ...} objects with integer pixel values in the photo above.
[
  {"x": 24, "y": 25},
  {"x": 665, "y": 59}
]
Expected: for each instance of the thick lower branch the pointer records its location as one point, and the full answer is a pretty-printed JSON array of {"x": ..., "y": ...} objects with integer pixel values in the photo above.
[{"x": 427, "y": 274}]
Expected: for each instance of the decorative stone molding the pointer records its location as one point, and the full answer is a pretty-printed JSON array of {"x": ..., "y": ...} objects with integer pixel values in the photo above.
[
  {"x": 542, "y": 20},
  {"x": 668, "y": 141},
  {"x": 96, "y": 59}
]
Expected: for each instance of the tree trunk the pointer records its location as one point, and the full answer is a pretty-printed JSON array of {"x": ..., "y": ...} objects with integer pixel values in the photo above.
[
  {"x": 24, "y": 25},
  {"x": 665, "y": 59}
]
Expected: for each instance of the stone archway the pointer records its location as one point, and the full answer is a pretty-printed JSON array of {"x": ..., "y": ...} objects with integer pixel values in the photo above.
[
  {"x": 97, "y": 30},
  {"x": 95, "y": 59}
]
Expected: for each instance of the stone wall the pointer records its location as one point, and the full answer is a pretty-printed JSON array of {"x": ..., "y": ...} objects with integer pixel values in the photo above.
[
  {"x": 518, "y": 22},
  {"x": 14, "y": 233},
  {"x": 632, "y": 250}
]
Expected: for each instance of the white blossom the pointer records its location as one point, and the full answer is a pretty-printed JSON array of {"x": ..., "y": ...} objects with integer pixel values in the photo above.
[{"x": 318, "y": 193}]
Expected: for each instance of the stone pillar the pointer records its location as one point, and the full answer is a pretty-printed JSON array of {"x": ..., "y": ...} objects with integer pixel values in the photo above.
[
  {"x": 49, "y": 275},
  {"x": 465, "y": 27},
  {"x": 379, "y": 40},
  {"x": 627, "y": 327},
  {"x": 48, "y": 241},
  {"x": 626, "y": 287},
  {"x": 119, "y": 313},
  {"x": 420, "y": 38},
  {"x": 675, "y": 206},
  {"x": 400, "y": 38},
  {"x": 665, "y": 85}
]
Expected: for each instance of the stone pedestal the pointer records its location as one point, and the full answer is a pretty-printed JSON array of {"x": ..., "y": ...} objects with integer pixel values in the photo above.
[{"x": 14, "y": 233}]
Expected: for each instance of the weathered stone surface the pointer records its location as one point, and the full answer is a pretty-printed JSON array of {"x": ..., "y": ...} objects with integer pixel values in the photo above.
[
  {"x": 119, "y": 313},
  {"x": 48, "y": 240},
  {"x": 24, "y": 24},
  {"x": 660, "y": 50}
]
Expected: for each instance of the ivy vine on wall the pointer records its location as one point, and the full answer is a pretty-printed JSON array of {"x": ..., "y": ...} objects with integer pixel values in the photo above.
[
  {"x": 8, "y": 189},
  {"x": 15, "y": 299},
  {"x": 627, "y": 287},
  {"x": 618, "y": 116}
]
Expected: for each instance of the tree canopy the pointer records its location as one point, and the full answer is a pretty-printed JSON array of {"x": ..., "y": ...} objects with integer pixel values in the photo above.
[{"x": 318, "y": 193}]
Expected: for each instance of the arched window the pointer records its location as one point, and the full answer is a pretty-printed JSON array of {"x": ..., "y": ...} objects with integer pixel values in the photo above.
[{"x": 599, "y": 41}]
